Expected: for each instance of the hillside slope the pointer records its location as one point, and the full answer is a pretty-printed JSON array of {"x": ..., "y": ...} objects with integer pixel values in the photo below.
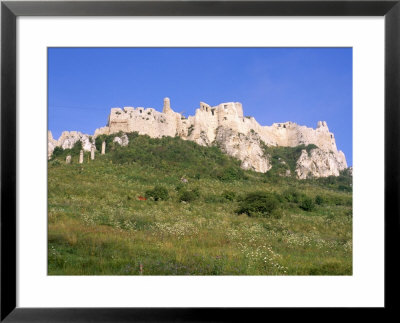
[{"x": 166, "y": 206}]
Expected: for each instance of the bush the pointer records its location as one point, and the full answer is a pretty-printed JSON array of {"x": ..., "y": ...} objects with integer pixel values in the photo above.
[
  {"x": 231, "y": 174},
  {"x": 189, "y": 195},
  {"x": 344, "y": 188},
  {"x": 229, "y": 195},
  {"x": 157, "y": 193},
  {"x": 307, "y": 204},
  {"x": 55, "y": 163},
  {"x": 76, "y": 149},
  {"x": 291, "y": 195},
  {"x": 319, "y": 200},
  {"x": 58, "y": 151},
  {"x": 258, "y": 204}
]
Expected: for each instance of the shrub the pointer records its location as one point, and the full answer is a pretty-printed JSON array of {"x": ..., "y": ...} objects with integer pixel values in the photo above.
[
  {"x": 258, "y": 204},
  {"x": 307, "y": 204},
  {"x": 188, "y": 195},
  {"x": 157, "y": 193},
  {"x": 76, "y": 149},
  {"x": 55, "y": 162},
  {"x": 229, "y": 195},
  {"x": 58, "y": 151},
  {"x": 344, "y": 188},
  {"x": 231, "y": 174},
  {"x": 291, "y": 195},
  {"x": 319, "y": 200}
]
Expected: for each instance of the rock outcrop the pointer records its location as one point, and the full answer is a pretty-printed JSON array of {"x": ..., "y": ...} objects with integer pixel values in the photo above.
[
  {"x": 68, "y": 139},
  {"x": 122, "y": 141},
  {"x": 246, "y": 148},
  {"x": 51, "y": 144},
  {"x": 320, "y": 163},
  {"x": 226, "y": 126}
]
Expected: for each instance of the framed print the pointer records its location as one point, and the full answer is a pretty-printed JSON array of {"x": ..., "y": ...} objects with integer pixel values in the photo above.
[{"x": 199, "y": 158}]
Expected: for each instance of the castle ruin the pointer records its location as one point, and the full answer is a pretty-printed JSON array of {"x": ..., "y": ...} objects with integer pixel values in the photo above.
[
  {"x": 202, "y": 127},
  {"x": 224, "y": 124}
]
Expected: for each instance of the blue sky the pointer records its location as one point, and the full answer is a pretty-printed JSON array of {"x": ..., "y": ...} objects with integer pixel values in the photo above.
[{"x": 303, "y": 85}]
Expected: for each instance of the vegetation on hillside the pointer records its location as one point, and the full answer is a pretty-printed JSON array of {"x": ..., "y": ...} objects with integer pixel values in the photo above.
[
  {"x": 284, "y": 158},
  {"x": 129, "y": 208}
]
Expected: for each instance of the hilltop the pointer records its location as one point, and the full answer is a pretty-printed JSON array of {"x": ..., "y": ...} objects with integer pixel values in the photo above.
[{"x": 225, "y": 127}]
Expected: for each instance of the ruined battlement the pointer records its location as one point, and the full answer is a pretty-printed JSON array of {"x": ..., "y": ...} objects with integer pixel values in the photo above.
[{"x": 202, "y": 127}]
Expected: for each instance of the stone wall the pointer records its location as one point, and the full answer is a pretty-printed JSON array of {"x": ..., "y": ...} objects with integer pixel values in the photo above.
[{"x": 202, "y": 127}]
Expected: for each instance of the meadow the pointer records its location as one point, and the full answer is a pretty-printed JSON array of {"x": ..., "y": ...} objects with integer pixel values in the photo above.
[{"x": 223, "y": 221}]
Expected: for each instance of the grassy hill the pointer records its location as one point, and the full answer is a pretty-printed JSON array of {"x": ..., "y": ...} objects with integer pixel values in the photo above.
[{"x": 223, "y": 221}]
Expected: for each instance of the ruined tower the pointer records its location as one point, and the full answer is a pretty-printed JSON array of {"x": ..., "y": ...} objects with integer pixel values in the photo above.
[{"x": 167, "y": 106}]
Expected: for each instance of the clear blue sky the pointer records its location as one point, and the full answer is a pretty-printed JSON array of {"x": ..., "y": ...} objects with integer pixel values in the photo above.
[{"x": 303, "y": 85}]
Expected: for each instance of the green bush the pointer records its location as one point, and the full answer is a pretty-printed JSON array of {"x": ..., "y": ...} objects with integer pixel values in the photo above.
[
  {"x": 258, "y": 204},
  {"x": 307, "y": 204},
  {"x": 231, "y": 174},
  {"x": 291, "y": 195},
  {"x": 76, "y": 149},
  {"x": 58, "y": 151},
  {"x": 55, "y": 163},
  {"x": 229, "y": 195},
  {"x": 344, "y": 188},
  {"x": 189, "y": 195},
  {"x": 319, "y": 200},
  {"x": 158, "y": 193}
]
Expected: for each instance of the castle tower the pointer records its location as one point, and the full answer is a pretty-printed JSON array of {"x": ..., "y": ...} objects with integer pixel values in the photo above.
[{"x": 167, "y": 106}]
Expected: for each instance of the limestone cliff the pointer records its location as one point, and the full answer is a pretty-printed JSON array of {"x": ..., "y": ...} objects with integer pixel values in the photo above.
[
  {"x": 320, "y": 163},
  {"x": 247, "y": 148},
  {"x": 226, "y": 126}
]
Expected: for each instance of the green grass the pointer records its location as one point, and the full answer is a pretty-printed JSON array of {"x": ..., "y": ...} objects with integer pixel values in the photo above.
[{"x": 97, "y": 225}]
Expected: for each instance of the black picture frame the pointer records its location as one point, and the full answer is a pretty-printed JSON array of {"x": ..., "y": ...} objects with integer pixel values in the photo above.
[{"x": 10, "y": 10}]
